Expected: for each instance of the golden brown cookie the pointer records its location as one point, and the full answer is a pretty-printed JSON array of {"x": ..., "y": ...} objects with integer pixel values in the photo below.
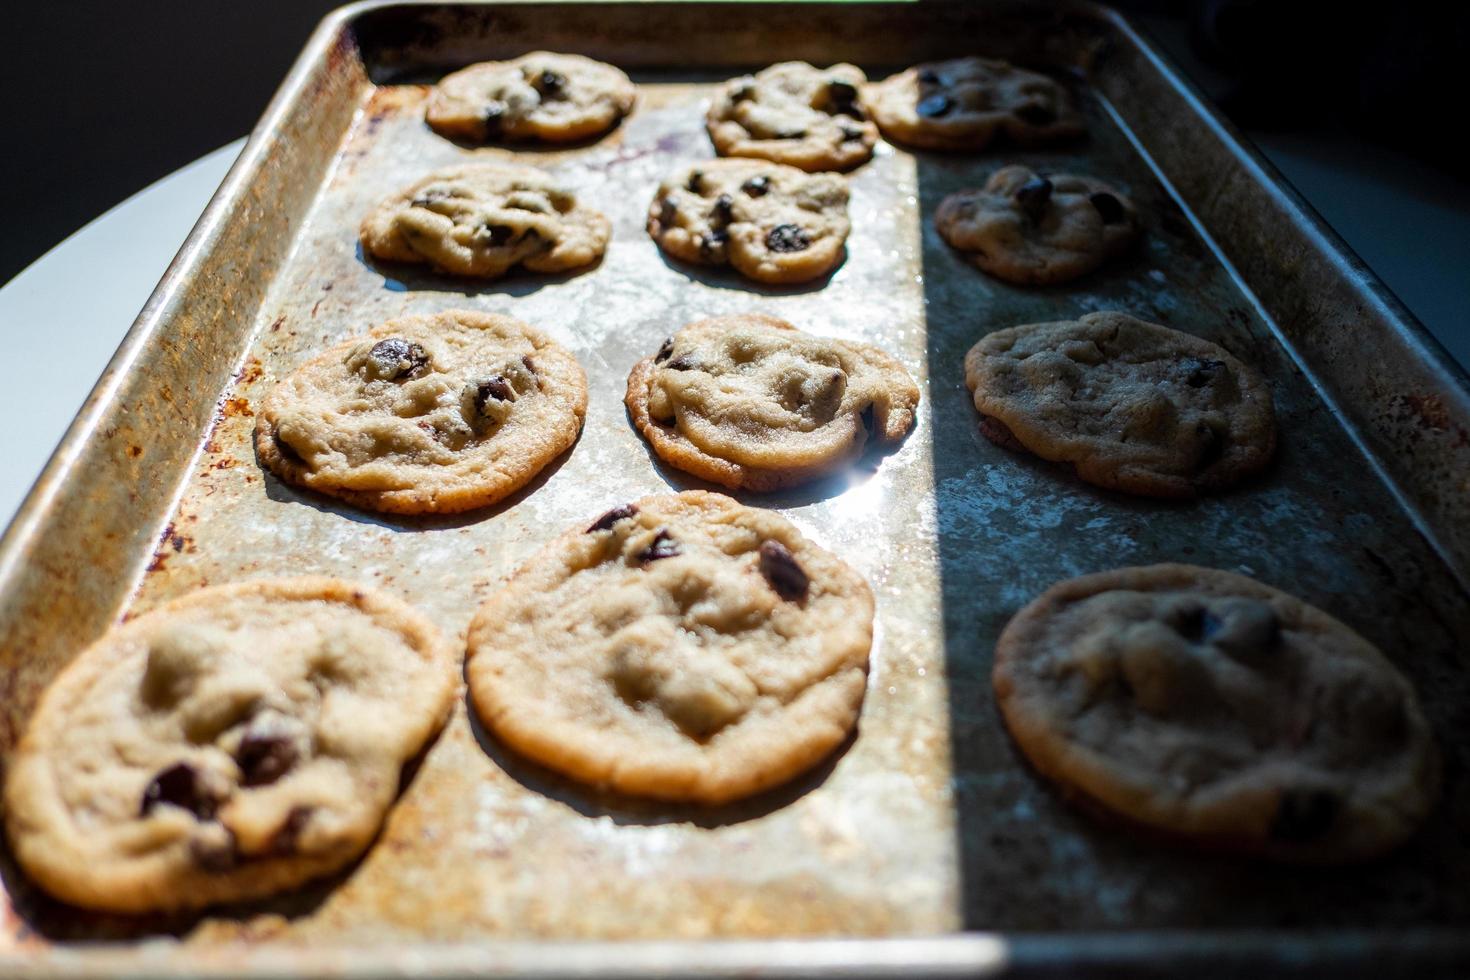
[
  {"x": 965, "y": 103},
  {"x": 681, "y": 647},
  {"x": 1132, "y": 406},
  {"x": 1038, "y": 229},
  {"x": 796, "y": 114},
  {"x": 484, "y": 219},
  {"x": 773, "y": 223},
  {"x": 1214, "y": 709},
  {"x": 431, "y": 414},
  {"x": 228, "y": 745},
  {"x": 541, "y": 96},
  {"x": 750, "y": 401}
]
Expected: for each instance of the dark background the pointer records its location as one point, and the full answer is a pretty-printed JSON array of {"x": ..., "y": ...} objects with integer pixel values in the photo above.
[{"x": 106, "y": 97}]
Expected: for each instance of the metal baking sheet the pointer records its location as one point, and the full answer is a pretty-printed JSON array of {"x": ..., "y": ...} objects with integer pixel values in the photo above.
[{"x": 924, "y": 845}]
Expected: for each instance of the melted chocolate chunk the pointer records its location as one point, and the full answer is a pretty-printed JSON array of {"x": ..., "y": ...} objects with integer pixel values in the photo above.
[
  {"x": 494, "y": 235},
  {"x": 756, "y": 186},
  {"x": 684, "y": 362},
  {"x": 667, "y": 213},
  {"x": 663, "y": 546},
  {"x": 527, "y": 363},
  {"x": 842, "y": 95},
  {"x": 1304, "y": 814},
  {"x": 606, "y": 521},
  {"x": 788, "y": 238},
  {"x": 851, "y": 134},
  {"x": 934, "y": 106},
  {"x": 928, "y": 76},
  {"x": 1036, "y": 114},
  {"x": 397, "y": 359},
  {"x": 264, "y": 758},
  {"x": 722, "y": 210},
  {"x": 696, "y": 182},
  {"x": 710, "y": 241},
  {"x": 1108, "y": 206},
  {"x": 665, "y": 351},
  {"x": 1200, "y": 371},
  {"x": 741, "y": 92},
  {"x": 1033, "y": 197},
  {"x": 283, "y": 841},
  {"x": 492, "y": 389},
  {"x": 1212, "y": 446},
  {"x": 550, "y": 84},
  {"x": 493, "y": 118},
  {"x": 179, "y": 786},
  {"x": 1196, "y": 624},
  {"x": 781, "y": 570}
]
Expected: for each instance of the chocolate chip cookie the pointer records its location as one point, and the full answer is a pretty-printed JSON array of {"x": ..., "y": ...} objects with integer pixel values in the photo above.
[
  {"x": 228, "y": 745},
  {"x": 965, "y": 103},
  {"x": 1133, "y": 406},
  {"x": 482, "y": 220},
  {"x": 796, "y": 114},
  {"x": 773, "y": 223},
  {"x": 749, "y": 401},
  {"x": 551, "y": 98},
  {"x": 1037, "y": 229},
  {"x": 680, "y": 647},
  {"x": 1210, "y": 707},
  {"x": 427, "y": 414}
]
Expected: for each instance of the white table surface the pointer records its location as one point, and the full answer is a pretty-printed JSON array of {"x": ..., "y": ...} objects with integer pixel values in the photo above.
[{"x": 62, "y": 318}]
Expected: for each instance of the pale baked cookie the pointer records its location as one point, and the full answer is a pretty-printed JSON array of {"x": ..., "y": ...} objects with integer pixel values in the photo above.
[
  {"x": 484, "y": 219},
  {"x": 793, "y": 113},
  {"x": 552, "y": 98},
  {"x": 964, "y": 103},
  {"x": 750, "y": 401},
  {"x": 773, "y": 223},
  {"x": 1213, "y": 708},
  {"x": 425, "y": 414},
  {"x": 1133, "y": 406},
  {"x": 228, "y": 745},
  {"x": 1037, "y": 229},
  {"x": 681, "y": 647}
]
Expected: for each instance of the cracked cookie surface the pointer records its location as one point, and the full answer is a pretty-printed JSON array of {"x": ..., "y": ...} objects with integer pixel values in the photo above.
[
  {"x": 538, "y": 97},
  {"x": 482, "y": 220},
  {"x": 796, "y": 114},
  {"x": 749, "y": 401},
  {"x": 772, "y": 223},
  {"x": 1037, "y": 229},
  {"x": 425, "y": 414},
  {"x": 228, "y": 745},
  {"x": 1132, "y": 406},
  {"x": 682, "y": 647},
  {"x": 965, "y": 103},
  {"x": 1213, "y": 708}
]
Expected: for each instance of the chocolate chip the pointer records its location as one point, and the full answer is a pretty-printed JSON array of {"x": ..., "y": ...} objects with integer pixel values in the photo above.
[
  {"x": 1304, "y": 814},
  {"x": 684, "y": 362},
  {"x": 179, "y": 786},
  {"x": 606, "y": 521},
  {"x": 756, "y": 186},
  {"x": 1033, "y": 196},
  {"x": 492, "y": 389},
  {"x": 743, "y": 91},
  {"x": 1250, "y": 632},
  {"x": 396, "y": 359},
  {"x": 494, "y": 235},
  {"x": 663, "y": 546},
  {"x": 842, "y": 94},
  {"x": 928, "y": 76},
  {"x": 1196, "y": 624},
  {"x": 696, "y": 182},
  {"x": 1036, "y": 114},
  {"x": 493, "y": 117},
  {"x": 849, "y": 134},
  {"x": 934, "y": 106},
  {"x": 665, "y": 350},
  {"x": 283, "y": 841},
  {"x": 780, "y": 568},
  {"x": 711, "y": 241},
  {"x": 788, "y": 238},
  {"x": 1108, "y": 206},
  {"x": 1200, "y": 371},
  {"x": 550, "y": 83},
  {"x": 264, "y": 758},
  {"x": 723, "y": 205},
  {"x": 667, "y": 213},
  {"x": 1212, "y": 445},
  {"x": 527, "y": 363}
]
